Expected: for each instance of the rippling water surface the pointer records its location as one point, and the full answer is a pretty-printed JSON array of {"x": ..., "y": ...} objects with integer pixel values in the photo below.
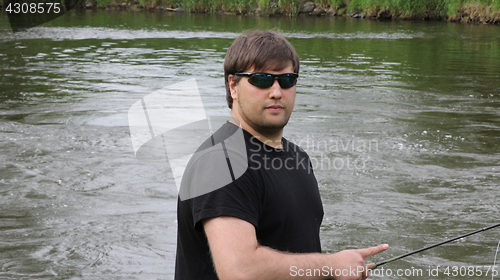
[{"x": 401, "y": 119}]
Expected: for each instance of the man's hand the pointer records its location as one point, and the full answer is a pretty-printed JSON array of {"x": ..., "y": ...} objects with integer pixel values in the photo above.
[{"x": 352, "y": 262}]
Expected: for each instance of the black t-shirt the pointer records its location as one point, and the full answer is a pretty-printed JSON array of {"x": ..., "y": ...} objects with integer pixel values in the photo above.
[{"x": 277, "y": 193}]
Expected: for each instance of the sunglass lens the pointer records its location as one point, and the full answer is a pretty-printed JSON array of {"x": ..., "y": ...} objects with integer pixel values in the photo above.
[
  {"x": 261, "y": 80},
  {"x": 287, "y": 81}
]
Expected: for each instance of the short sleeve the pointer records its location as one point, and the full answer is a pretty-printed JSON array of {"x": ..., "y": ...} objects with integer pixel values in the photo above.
[{"x": 240, "y": 199}]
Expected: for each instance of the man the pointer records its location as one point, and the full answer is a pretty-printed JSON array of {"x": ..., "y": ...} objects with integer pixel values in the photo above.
[{"x": 265, "y": 223}]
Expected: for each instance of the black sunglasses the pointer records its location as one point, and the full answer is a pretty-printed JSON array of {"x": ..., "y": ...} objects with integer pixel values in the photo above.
[{"x": 265, "y": 80}]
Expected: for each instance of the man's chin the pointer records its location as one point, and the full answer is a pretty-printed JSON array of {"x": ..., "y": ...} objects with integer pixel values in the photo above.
[{"x": 274, "y": 126}]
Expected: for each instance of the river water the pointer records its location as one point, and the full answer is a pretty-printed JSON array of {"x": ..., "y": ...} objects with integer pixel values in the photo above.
[{"x": 401, "y": 119}]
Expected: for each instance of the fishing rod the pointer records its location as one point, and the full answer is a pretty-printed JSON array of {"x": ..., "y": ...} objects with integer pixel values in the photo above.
[{"x": 437, "y": 244}]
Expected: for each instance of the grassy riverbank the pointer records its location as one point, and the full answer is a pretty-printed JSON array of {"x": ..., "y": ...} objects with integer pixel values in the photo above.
[
  {"x": 481, "y": 11},
  {"x": 484, "y": 11}
]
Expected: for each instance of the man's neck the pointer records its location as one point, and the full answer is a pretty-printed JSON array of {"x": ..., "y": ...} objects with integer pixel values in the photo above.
[{"x": 272, "y": 139}]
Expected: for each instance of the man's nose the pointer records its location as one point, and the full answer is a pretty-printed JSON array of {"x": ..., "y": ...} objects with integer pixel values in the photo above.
[{"x": 275, "y": 90}]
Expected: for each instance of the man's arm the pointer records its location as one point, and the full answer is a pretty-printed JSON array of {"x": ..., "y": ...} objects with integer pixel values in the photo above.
[{"x": 238, "y": 256}]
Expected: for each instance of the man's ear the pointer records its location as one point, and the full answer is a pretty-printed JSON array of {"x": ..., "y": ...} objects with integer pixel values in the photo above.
[{"x": 232, "y": 86}]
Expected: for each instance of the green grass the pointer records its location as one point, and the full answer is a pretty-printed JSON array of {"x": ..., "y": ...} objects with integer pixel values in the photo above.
[
  {"x": 396, "y": 8},
  {"x": 403, "y": 8}
]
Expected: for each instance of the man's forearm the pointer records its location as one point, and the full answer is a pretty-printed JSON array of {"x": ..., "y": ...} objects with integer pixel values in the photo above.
[
  {"x": 238, "y": 256},
  {"x": 267, "y": 263}
]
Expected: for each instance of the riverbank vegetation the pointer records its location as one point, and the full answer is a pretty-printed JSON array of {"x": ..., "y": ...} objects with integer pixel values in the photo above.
[{"x": 483, "y": 11}]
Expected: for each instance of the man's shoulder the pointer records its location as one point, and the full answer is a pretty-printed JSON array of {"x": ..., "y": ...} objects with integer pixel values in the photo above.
[
  {"x": 290, "y": 146},
  {"x": 220, "y": 160}
]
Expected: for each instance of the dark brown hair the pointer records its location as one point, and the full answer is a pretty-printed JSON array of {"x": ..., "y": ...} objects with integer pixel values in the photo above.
[{"x": 260, "y": 50}]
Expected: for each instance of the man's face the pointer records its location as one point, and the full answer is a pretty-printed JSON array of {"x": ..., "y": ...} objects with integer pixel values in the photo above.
[{"x": 265, "y": 110}]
